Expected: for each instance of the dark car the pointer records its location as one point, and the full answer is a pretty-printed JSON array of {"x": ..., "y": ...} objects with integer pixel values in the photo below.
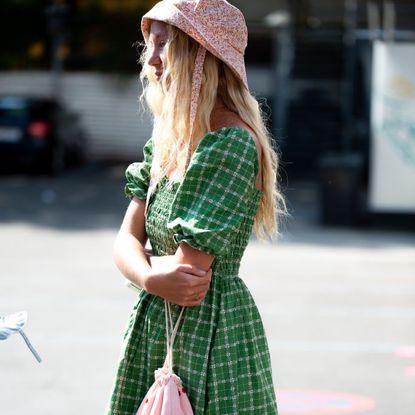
[{"x": 39, "y": 132}]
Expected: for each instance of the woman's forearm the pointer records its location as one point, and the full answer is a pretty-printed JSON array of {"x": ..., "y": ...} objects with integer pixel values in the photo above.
[
  {"x": 131, "y": 259},
  {"x": 185, "y": 254}
]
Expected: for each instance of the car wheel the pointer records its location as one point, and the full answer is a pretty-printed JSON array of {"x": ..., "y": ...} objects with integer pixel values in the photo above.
[
  {"x": 56, "y": 162},
  {"x": 78, "y": 154}
]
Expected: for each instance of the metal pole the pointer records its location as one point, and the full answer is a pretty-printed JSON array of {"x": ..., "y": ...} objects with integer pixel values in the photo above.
[
  {"x": 389, "y": 21},
  {"x": 282, "y": 51},
  {"x": 350, "y": 23},
  {"x": 56, "y": 14},
  {"x": 373, "y": 18}
]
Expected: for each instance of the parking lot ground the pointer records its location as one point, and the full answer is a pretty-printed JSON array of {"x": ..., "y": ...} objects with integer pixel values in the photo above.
[{"x": 338, "y": 304}]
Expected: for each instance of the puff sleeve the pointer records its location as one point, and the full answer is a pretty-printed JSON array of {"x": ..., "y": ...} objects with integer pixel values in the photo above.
[
  {"x": 138, "y": 174},
  {"x": 214, "y": 197}
]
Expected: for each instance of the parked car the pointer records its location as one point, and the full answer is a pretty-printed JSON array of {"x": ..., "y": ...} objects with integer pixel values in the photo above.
[{"x": 39, "y": 132}]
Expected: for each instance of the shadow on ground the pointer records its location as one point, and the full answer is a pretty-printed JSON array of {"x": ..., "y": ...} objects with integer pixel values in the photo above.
[{"x": 92, "y": 198}]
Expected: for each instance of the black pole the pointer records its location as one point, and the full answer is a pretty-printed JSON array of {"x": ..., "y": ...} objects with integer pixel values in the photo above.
[
  {"x": 349, "y": 42},
  {"x": 56, "y": 18}
]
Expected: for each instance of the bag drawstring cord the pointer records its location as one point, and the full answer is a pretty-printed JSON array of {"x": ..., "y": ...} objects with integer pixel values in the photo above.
[{"x": 171, "y": 332}]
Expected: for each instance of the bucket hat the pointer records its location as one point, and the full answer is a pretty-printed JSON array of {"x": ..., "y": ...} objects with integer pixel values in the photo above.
[{"x": 216, "y": 25}]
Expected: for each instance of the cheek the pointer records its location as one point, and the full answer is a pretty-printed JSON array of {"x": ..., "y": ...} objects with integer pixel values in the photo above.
[{"x": 162, "y": 53}]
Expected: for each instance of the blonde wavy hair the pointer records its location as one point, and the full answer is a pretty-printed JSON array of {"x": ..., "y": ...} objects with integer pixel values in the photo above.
[{"x": 169, "y": 101}]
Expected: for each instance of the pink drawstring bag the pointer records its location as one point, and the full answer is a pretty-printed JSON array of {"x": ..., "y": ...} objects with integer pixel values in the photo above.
[{"x": 167, "y": 395}]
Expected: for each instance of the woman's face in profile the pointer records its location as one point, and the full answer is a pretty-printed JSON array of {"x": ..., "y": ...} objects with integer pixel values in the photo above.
[{"x": 156, "y": 42}]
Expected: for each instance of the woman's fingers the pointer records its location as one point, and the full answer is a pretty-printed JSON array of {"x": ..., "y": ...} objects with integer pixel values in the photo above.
[
  {"x": 191, "y": 295},
  {"x": 192, "y": 288},
  {"x": 191, "y": 269},
  {"x": 191, "y": 300}
]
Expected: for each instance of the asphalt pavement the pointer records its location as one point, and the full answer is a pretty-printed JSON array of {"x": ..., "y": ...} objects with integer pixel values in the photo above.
[{"x": 338, "y": 304}]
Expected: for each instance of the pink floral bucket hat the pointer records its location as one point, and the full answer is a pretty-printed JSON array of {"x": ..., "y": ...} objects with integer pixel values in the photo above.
[{"x": 216, "y": 25}]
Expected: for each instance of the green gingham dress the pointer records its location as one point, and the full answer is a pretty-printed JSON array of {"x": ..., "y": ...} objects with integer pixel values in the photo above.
[{"x": 220, "y": 352}]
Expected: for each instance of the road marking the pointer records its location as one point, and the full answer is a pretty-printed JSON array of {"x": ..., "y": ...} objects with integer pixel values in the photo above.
[
  {"x": 309, "y": 402},
  {"x": 410, "y": 371},
  {"x": 348, "y": 311},
  {"x": 405, "y": 352},
  {"x": 342, "y": 347}
]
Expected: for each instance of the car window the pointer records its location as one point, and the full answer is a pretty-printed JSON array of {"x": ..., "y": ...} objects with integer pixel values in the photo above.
[{"x": 13, "y": 108}]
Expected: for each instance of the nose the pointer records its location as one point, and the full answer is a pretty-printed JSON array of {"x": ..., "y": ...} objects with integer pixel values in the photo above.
[{"x": 154, "y": 59}]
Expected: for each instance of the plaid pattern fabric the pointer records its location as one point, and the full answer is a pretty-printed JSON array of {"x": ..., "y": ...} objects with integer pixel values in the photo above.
[
  {"x": 221, "y": 352},
  {"x": 138, "y": 174}
]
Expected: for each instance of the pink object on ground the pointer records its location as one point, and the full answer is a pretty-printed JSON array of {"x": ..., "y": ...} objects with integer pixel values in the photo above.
[
  {"x": 318, "y": 402},
  {"x": 410, "y": 371},
  {"x": 405, "y": 351}
]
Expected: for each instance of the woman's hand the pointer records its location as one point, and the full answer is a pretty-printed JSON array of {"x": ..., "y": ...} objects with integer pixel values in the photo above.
[{"x": 181, "y": 284}]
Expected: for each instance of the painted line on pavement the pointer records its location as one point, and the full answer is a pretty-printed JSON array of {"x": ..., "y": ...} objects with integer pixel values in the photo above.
[
  {"x": 315, "y": 402},
  {"x": 410, "y": 371},
  {"x": 406, "y": 351},
  {"x": 348, "y": 311},
  {"x": 342, "y": 347}
]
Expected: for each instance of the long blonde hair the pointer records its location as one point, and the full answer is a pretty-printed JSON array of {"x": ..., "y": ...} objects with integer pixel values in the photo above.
[{"x": 169, "y": 101}]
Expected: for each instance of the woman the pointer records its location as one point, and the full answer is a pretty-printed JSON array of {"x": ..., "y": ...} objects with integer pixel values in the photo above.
[{"x": 208, "y": 177}]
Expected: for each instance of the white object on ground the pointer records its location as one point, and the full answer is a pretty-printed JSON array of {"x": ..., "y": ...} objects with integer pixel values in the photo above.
[{"x": 14, "y": 323}]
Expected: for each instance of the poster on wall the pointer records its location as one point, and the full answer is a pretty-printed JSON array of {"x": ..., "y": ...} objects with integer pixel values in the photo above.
[{"x": 392, "y": 155}]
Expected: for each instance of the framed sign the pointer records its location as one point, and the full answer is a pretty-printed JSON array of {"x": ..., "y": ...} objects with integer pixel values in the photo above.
[{"x": 392, "y": 155}]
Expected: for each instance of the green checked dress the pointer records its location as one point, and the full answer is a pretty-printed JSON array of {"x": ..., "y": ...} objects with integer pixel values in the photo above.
[{"x": 221, "y": 352}]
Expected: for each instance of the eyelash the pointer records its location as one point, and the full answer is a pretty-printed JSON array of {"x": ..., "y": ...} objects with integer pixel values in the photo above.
[{"x": 159, "y": 45}]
